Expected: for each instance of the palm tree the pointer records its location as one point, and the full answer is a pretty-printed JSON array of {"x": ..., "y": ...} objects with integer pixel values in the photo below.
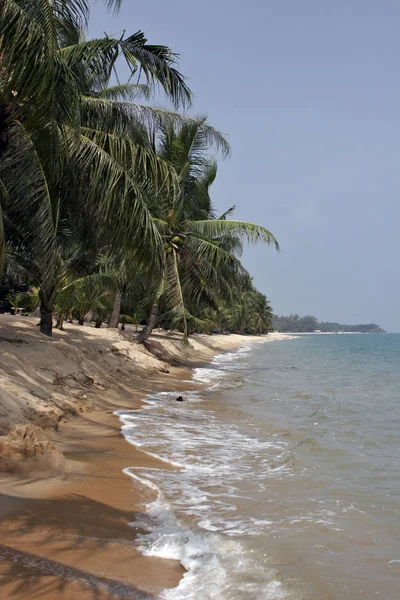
[
  {"x": 71, "y": 146},
  {"x": 263, "y": 312},
  {"x": 199, "y": 255}
]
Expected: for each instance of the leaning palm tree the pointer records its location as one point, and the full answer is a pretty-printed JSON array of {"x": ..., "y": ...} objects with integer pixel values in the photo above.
[
  {"x": 71, "y": 146},
  {"x": 199, "y": 254},
  {"x": 262, "y": 311}
]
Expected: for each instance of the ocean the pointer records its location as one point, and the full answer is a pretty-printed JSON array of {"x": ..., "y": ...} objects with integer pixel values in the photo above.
[{"x": 286, "y": 479}]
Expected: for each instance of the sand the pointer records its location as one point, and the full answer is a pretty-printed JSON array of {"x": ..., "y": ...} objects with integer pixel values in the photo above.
[{"x": 67, "y": 512}]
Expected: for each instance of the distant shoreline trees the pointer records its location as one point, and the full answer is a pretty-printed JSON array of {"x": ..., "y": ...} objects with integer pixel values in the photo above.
[{"x": 309, "y": 324}]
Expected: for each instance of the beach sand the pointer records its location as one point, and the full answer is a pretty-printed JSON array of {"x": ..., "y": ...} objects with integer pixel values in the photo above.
[{"x": 67, "y": 525}]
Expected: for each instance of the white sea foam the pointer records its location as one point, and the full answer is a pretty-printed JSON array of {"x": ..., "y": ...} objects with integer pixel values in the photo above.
[
  {"x": 215, "y": 565},
  {"x": 193, "y": 515},
  {"x": 224, "y": 369},
  {"x": 204, "y": 491},
  {"x": 214, "y": 373},
  {"x": 208, "y": 375}
]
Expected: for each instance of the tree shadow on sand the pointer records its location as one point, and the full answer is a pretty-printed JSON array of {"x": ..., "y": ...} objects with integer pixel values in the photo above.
[
  {"x": 72, "y": 526},
  {"x": 75, "y": 515},
  {"x": 26, "y": 575}
]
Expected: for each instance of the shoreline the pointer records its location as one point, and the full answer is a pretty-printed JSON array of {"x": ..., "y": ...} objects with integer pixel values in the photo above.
[{"x": 66, "y": 533}]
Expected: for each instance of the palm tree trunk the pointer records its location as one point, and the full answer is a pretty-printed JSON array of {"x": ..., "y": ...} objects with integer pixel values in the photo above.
[
  {"x": 60, "y": 321},
  {"x": 185, "y": 339},
  {"x": 46, "y": 312},
  {"x": 145, "y": 333},
  {"x": 46, "y": 321},
  {"x": 114, "y": 319}
]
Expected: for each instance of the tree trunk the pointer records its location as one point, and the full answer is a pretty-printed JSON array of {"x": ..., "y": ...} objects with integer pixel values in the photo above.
[
  {"x": 46, "y": 312},
  {"x": 46, "y": 321},
  {"x": 99, "y": 323},
  {"x": 185, "y": 339},
  {"x": 60, "y": 321},
  {"x": 145, "y": 333},
  {"x": 114, "y": 319}
]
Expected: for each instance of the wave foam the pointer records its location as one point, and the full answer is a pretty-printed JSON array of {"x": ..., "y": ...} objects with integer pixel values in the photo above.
[
  {"x": 215, "y": 565},
  {"x": 195, "y": 517},
  {"x": 204, "y": 492}
]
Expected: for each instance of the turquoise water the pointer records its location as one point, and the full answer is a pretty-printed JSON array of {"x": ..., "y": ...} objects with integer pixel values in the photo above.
[
  {"x": 336, "y": 400},
  {"x": 288, "y": 481}
]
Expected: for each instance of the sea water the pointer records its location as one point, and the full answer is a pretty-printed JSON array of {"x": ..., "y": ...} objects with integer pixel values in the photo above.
[{"x": 282, "y": 475}]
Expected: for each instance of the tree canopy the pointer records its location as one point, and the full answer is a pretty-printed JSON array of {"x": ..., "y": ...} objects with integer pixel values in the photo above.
[{"x": 105, "y": 200}]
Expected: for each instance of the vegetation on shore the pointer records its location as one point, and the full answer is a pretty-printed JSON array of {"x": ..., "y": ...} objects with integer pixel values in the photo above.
[
  {"x": 308, "y": 324},
  {"x": 105, "y": 200}
]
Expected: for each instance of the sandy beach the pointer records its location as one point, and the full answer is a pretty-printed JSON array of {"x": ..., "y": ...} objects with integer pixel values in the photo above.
[{"x": 67, "y": 510}]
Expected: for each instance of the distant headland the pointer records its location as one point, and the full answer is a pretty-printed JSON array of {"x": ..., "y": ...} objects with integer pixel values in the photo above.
[{"x": 308, "y": 324}]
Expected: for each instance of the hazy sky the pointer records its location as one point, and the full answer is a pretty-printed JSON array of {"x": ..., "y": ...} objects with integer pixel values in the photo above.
[{"x": 308, "y": 93}]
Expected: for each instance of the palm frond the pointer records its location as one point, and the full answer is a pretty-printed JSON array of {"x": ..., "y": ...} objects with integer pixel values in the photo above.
[
  {"x": 112, "y": 189},
  {"x": 227, "y": 213},
  {"x": 217, "y": 228},
  {"x": 25, "y": 50},
  {"x": 128, "y": 92},
  {"x": 157, "y": 65},
  {"x": 29, "y": 204},
  {"x": 136, "y": 159}
]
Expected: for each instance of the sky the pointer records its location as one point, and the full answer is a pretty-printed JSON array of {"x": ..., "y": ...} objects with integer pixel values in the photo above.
[{"x": 308, "y": 95}]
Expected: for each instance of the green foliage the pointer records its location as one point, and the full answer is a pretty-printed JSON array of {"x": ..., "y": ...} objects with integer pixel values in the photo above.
[
  {"x": 75, "y": 156},
  {"x": 16, "y": 299},
  {"x": 27, "y": 300},
  {"x": 199, "y": 259},
  {"x": 130, "y": 320},
  {"x": 102, "y": 196}
]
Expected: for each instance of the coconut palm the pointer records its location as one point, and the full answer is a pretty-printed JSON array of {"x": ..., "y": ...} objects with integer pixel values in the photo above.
[
  {"x": 87, "y": 179},
  {"x": 262, "y": 311},
  {"x": 71, "y": 146},
  {"x": 199, "y": 256}
]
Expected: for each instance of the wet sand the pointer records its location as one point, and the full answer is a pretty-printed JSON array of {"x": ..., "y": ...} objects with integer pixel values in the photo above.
[{"x": 67, "y": 536}]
